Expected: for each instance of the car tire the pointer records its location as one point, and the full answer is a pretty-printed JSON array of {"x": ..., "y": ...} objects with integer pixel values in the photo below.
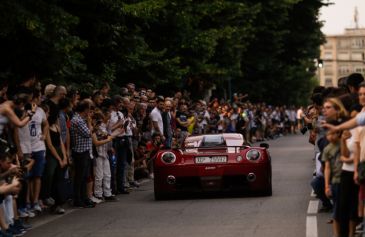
[{"x": 268, "y": 190}]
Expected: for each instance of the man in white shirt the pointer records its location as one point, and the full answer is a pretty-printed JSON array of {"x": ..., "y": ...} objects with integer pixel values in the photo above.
[
  {"x": 156, "y": 116},
  {"x": 38, "y": 128},
  {"x": 120, "y": 144}
]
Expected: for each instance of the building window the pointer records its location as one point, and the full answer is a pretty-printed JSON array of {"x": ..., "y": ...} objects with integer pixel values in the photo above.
[
  {"x": 343, "y": 70},
  {"x": 357, "y": 43},
  {"x": 328, "y": 82},
  {"x": 356, "y": 56},
  {"x": 328, "y": 69},
  {"x": 343, "y": 43},
  {"x": 328, "y": 45},
  {"x": 343, "y": 56},
  {"x": 328, "y": 55}
]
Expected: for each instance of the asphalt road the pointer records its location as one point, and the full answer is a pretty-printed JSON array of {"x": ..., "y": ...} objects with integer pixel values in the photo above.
[{"x": 138, "y": 215}]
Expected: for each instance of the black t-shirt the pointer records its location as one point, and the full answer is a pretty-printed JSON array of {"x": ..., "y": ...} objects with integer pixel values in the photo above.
[
  {"x": 54, "y": 111},
  {"x": 183, "y": 117}
]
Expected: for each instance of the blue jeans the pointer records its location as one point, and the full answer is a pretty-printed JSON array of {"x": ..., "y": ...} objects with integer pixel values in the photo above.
[
  {"x": 121, "y": 147},
  {"x": 318, "y": 188},
  {"x": 168, "y": 142}
]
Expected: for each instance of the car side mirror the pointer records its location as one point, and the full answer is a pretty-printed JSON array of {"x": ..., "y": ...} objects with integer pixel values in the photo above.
[{"x": 265, "y": 145}]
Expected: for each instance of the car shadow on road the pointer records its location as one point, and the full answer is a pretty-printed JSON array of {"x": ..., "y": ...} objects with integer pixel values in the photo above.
[{"x": 212, "y": 195}]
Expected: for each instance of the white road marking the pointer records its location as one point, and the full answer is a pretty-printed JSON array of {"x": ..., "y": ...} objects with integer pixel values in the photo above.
[
  {"x": 313, "y": 207},
  {"x": 311, "y": 227}
]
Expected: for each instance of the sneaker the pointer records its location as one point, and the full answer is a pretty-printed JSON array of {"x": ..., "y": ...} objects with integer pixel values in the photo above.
[
  {"x": 5, "y": 234},
  {"x": 22, "y": 225},
  {"x": 89, "y": 204},
  {"x": 15, "y": 231},
  {"x": 42, "y": 205},
  {"x": 30, "y": 213},
  {"x": 37, "y": 207},
  {"x": 49, "y": 201},
  {"x": 22, "y": 213},
  {"x": 95, "y": 200},
  {"x": 134, "y": 184},
  {"x": 59, "y": 210},
  {"x": 359, "y": 228},
  {"x": 111, "y": 198}
]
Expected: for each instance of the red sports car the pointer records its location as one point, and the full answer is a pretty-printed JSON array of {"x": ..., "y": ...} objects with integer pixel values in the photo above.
[{"x": 214, "y": 162}]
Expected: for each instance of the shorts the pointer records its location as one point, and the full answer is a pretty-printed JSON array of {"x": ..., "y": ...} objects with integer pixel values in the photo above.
[{"x": 39, "y": 158}]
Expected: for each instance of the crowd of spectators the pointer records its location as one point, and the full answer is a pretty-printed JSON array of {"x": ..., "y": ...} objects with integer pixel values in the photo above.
[
  {"x": 332, "y": 121},
  {"x": 59, "y": 145}
]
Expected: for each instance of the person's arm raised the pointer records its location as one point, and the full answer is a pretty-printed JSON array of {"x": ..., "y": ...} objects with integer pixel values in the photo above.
[
  {"x": 352, "y": 123},
  {"x": 9, "y": 112}
]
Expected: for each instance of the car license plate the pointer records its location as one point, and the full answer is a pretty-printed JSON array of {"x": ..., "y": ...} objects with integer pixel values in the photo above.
[{"x": 210, "y": 159}]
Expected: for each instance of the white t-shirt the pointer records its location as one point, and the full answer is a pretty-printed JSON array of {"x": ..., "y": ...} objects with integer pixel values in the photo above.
[
  {"x": 292, "y": 115},
  {"x": 359, "y": 136},
  {"x": 156, "y": 117},
  {"x": 351, "y": 146},
  {"x": 205, "y": 118},
  {"x": 114, "y": 118},
  {"x": 35, "y": 129},
  {"x": 299, "y": 114},
  {"x": 131, "y": 125}
]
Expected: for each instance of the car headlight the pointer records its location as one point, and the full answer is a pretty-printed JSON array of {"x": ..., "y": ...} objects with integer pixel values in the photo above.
[
  {"x": 239, "y": 158},
  {"x": 168, "y": 157},
  {"x": 253, "y": 155}
]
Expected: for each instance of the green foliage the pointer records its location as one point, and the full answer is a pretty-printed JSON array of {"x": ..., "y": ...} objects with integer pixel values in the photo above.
[{"x": 262, "y": 46}]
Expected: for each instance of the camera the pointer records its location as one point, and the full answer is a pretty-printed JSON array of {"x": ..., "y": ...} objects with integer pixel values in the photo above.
[
  {"x": 306, "y": 128},
  {"x": 126, "y": 123}
]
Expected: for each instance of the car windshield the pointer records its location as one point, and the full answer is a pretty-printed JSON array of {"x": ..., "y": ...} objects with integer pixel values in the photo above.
[{"x": 213, "y": 140}]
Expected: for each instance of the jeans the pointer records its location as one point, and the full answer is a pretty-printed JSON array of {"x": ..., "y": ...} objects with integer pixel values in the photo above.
[
  {"x": 318, "y": 187},
  {"x": 168, "y": 142},
  {"x": 121, "y": 147}
]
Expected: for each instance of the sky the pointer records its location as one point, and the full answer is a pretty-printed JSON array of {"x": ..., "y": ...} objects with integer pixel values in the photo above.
[{"x": 340, "y": 15}]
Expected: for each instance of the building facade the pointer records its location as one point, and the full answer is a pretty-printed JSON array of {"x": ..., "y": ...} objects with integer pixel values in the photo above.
[{"x": 341, "y": 56}]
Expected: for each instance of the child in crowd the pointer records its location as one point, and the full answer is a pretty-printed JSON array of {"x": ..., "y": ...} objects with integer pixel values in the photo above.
[
  {"x": 332, "y": 172},
  {"x": 103, "y": 143},
  {"x": 140, "y": 164}
]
